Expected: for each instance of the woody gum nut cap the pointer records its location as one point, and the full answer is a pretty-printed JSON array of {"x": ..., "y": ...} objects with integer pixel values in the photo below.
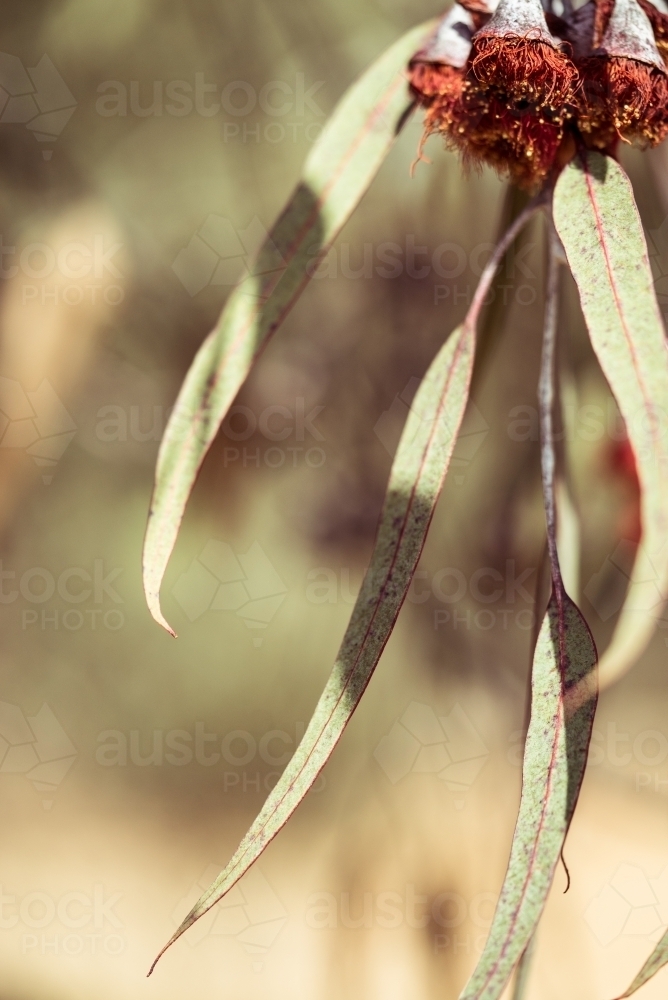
[
  {"x": 520, "y": 18},
  {"x": 629, "y": 35},
  {"x": 451, "y": 43}
]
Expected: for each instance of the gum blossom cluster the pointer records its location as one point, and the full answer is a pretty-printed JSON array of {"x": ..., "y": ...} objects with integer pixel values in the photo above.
[{"x": 517, "y": 87}]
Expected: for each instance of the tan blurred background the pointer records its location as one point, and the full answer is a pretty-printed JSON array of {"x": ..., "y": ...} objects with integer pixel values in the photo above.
[{"x": 145, "y": 146}]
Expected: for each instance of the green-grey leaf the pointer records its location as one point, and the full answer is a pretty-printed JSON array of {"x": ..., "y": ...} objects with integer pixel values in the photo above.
[
  {"x": 656, "y": 961},
  {"x": 415, "y": 483},
  {"x": 338, "y": 171},
  {"x": 598, "y": 222},
  {"x": 523, "y": 971},
  {"x": 563, "y": 702}
]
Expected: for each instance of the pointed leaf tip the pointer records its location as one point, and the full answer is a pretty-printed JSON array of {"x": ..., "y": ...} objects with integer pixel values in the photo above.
[{"x": 416, "y": 480}]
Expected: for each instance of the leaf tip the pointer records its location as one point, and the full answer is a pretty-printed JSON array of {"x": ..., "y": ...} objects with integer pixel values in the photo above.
[
  {"x": 177, "y": 934},
  {"x": 156, "y": 612}
]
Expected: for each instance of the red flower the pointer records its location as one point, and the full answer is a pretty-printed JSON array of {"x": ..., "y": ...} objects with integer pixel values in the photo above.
[
  {"x": 505, "y": 90},
  {"x": 625, "y": 86}
]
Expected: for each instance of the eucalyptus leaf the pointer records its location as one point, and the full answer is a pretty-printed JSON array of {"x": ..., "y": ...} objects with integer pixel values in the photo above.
[
  {"x": 415, "y": 483},
  {"x": 654, "y": 963},
  {"x": 563, "y": 702},
  {"x": 598, "y": 223},
  {"x": 338, "y": 171}
]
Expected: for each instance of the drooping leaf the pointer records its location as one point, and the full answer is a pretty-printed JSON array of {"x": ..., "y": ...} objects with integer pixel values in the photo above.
[
  {"x": 563, "y": 702},
  {"x": 338, "y": 171},
  {"x": 415, "y": 483},
  {"x": 654, "y": 963},
  {"x": 598, "y": 222}
]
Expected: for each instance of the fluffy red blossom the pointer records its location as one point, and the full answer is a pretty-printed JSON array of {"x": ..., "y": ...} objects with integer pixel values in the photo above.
[
  {"x": 508, "y": 106},
  {"x": 439, "y": 88},
  {"x": 528, "y": 71},
  {"x": 508, "y": 92},
  {"x": 624, "y": 89}
]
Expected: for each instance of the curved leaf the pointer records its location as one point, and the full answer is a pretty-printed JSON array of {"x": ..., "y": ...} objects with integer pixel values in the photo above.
[
  {"x": 337, "y": 172},
  {"x": 415, "y": 483},
  {"x": 598, "y": 222},
  {"x": 563, "y": 702},
  {"x": 656, "y": 961}
]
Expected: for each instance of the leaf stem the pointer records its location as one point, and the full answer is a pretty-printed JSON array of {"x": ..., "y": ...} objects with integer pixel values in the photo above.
[
  {"x": 502, "y": 246},
  {"x": 546, "y": 399}
]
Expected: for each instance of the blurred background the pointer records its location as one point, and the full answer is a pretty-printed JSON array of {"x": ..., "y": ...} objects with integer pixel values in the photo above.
[{"x": 145, "y": 148}]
